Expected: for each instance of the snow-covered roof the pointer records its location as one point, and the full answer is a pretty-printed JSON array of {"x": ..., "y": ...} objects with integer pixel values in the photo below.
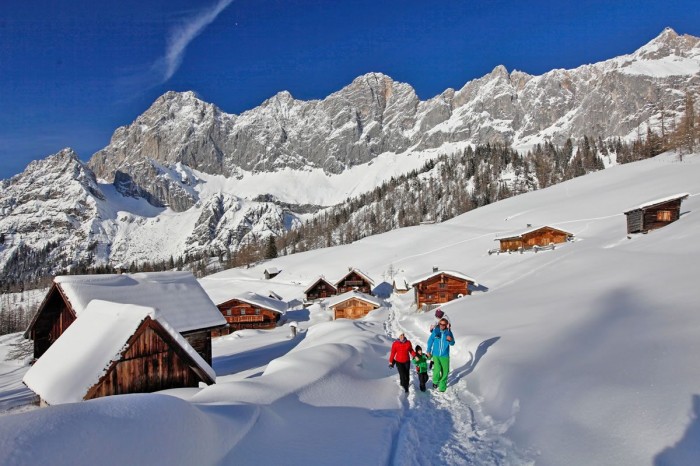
[
  {"x": 659, "y": 201},
  {"x": 262, "y": 301},
  {"x": 400, "y": 283},
  {"x": 446, "y": 272},
  {"x": 360, "y": 273},
  {"x": 334, "y": 300},
  {"x": 272, "y": 270},
  {"x": 87, "y": 349},
  {"x": 178, "y": 295},
  {"x": 316, "y": 281},
  {"x": 530, "y": 230}
]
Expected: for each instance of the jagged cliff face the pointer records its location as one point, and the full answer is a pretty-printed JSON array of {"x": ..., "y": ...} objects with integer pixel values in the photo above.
[
  {"x": 56, "y": 217},
  {"x": 375, "y": 114},
  {"x": 54, "y": 202},
  {"x": 178, "y": 171}
]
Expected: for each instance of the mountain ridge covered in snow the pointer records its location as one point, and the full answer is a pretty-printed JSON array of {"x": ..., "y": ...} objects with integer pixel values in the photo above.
[{"x": 189, "y": 180}]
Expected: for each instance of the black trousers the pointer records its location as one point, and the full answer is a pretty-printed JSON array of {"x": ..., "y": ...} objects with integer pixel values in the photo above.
[
  {"x": 422, "y": 380},
  {"x": 403, "y": 368}
]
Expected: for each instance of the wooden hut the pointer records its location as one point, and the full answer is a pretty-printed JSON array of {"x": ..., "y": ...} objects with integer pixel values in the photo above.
[
  {"x": 178, "y": 295},
  {"x": 352, "y": 305},
  {"x": 355, "y": 280},
  {"x": 115, "y": 349},
  {"x": 271, "y": 272},
  {"x": 251, "y": 310},
  {"x": 441, "y": 286},
  {"x": 400, "y": 285},
  {"x": 320, "y": 289},
  {"x": 535, "y": 237},
  {"x": 655, "y": 214}
]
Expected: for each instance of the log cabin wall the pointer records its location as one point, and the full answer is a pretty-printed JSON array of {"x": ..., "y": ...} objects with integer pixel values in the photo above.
[
  {"x": 54, "y": 319},
  {"x": 321, "y": 290},
  {"x": 150, "y": 364},
  {"x": 200, "y": 340},
  {"x": 511, "y": 244},
  {"x": 440, "y": 289},
  {"x": 543, "y": 237},
  {"x": 242, "y": 315},
  {"x": 635, "y": 221},
  {"x": 353, "y": 308},
  {"x": 661, "y": 215},
  {"x": 353, "y": 281}
]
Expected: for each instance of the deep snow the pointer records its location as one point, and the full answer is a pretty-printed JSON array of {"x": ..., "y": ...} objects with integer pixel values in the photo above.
[{"x": 585, "y": 354}]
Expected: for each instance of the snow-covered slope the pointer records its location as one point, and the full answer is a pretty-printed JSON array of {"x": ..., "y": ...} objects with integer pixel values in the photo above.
[{"x": 585, "y": 354}]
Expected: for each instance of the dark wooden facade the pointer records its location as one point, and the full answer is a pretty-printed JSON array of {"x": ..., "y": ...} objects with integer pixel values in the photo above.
[
  {"x": 654, "y": 216},
  {"x": 320, "y": 290},
  {"x": 540, "y": 237},
  {"x": 352, "y": 308},
  {"x": 52, "y": 319},
  {"x": 55, "y": 315},
  {"x": 240, "y": 315},
  {"x": 152, "y": 361},
  {"x": 354, "y": 281},
  {"x": 440, "y": 288}
]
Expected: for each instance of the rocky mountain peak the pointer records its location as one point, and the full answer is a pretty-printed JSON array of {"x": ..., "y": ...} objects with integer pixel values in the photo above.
[{"x": 668, "y": 43}]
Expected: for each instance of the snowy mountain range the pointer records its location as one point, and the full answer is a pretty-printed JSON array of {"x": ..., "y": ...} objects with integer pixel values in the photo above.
[{"x": 184, "y": 176}]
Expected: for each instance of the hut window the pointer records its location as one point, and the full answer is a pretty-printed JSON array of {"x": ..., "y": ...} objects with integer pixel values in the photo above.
[
  {"x": 242, "y": 312},
  {"x": 663, "y": 215},
  {"x": 257, "y": 312},
  {"x": 228, "y": 312},
  {"x": 443, "y": 285}
]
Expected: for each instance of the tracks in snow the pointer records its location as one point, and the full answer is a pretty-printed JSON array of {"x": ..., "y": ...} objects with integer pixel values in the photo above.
[{"x": 450, "y": 427}]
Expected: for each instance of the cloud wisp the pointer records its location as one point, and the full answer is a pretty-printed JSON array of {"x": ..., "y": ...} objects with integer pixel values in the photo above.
[{"x": 181, "y": 37}]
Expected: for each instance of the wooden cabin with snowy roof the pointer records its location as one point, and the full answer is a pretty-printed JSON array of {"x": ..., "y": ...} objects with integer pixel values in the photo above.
[
  {"x": 271, "y": 272},
  {"x": 355, "y": 280},
  {"x": 441, "y": 286},
  {"x": 352, "y": 305},
  {"x": 115, "y": 349},
  {"x": 533, "y": 238},
  {"x": 655, "y": 214},
  {"x": 178, "y": 295},
  {"x": 320, "y": 289},
  {"x": 400, "y": 285},
  {"x": 251, "y": 310}
]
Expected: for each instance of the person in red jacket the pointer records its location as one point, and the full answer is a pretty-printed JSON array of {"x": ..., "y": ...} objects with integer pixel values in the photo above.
[{"x": 401, "y": 354}]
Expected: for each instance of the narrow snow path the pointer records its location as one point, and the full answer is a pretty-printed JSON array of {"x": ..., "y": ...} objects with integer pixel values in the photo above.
[{"x": 450, "y": 427}]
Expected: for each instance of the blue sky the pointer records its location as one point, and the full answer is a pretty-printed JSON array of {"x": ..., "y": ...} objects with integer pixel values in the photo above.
[{"x": 72, "y": 72}]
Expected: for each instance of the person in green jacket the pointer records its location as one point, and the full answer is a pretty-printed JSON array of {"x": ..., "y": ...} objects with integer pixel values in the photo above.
[
  {"x": 421, "y": 362},
  {"x": 439, "y": 344}
]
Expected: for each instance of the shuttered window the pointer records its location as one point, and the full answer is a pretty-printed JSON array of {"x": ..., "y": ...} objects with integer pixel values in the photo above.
[{"x": 663, "y": 215}]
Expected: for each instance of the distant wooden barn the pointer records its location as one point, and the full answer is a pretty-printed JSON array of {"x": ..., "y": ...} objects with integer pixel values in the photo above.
[
  {"x": 352, "y": 305},
  {"x": 271, "y": 272},
  {"x": 177, "y": 295},
  {"x": 320, "y": 289},
  {"x": 536, "y": 237},
  {"x": 114, "y": 349},
  {"x": 355, "y": 280},
  {"x": 655, "y": 214},
  {"x": 441, "y": 286},
  {"x": 400, "y": 285},
  {"x": 250, "y": 310}
]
